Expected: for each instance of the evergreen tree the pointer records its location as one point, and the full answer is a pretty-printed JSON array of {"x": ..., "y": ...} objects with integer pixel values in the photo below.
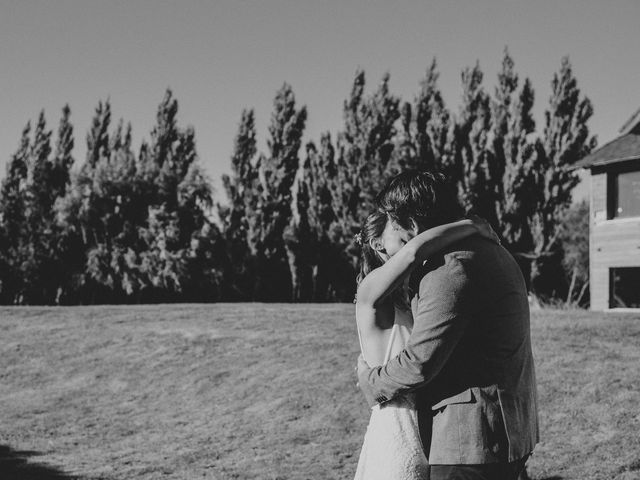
[
  {"x": 161, "y": 261},
  {"x": 171, "y": 153},
  {"x": 80, "y": 211},
  {"x": 63, "y": 159},
  {"x": 521, "y": 176},
  {"x": 141, "y": 221},
  {"x": 502, "y": 113},
  {"x": 31, "y": 250},
  {"x": 317, "y": 261},
  {"x": 329, "y": 266},
  {"x": 363, "y": 165},
  {"x": 98, "y": 135},
  {"x": 404, "y": 153},
  {"x": 206, "y": 256},
  {"x": 207, "y": 266},
  {"x": 177, "y": 196},
  {"x": 471, "y": 152},
  {"x": 566, "y": 139},
  {"x": 96, "y": 213},
  {"x": 42, "y": 268},
  {"x": 512, "y": 168},
  {"x": 432, "y": 125},
  {"x": 132, "y": 228},
  {"x": 65, "y": 244},
  {"x": 40, "y": 169},
  {"x": 13, "y": 207},
  {"x": 278, "y": 171},
  {"x": 243, "y": 190}
]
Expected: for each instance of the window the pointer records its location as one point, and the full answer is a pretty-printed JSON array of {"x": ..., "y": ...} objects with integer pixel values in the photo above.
[
  {"x": 626, "y": 195},
  {"x": 625, "y": 288}
]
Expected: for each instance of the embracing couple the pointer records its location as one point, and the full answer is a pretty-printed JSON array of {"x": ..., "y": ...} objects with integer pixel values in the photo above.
[{"x": 443, "y": 322}]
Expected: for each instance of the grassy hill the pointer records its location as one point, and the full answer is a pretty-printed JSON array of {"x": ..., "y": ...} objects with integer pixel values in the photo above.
[{"x": 254, "y": 391}]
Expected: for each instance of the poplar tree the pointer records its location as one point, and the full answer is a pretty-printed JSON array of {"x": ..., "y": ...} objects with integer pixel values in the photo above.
[
  {"x": 432, "y": 124},
  {"x": 363, "y": 163},
  {"x": 512, "y": 166},
  {"x": 278, "y": 170},
  {"x": 521, "y": 177},
  {"x": 13, "y": 219},
  {"x": 63, "y": 159},
  {"x": 565, "y": 140},
  {"x": 243, "y": 190},
  {"x": 142, "y": 221},
  {"x": 471, "y": 146},
  {"x": 79, "y": 212},
  {"x": 207, "y": 259},
  {"x": 404, "y": 152},
  {"x": 96, "y": 210},
  {"x": 317, "y": 261},
  {"x": 132, "y": 228},
  {"x": 178, "y": 196},
  {"x": 34, "y": 256},
  {"x": 68, "y": 244},
  {"x": 170, "y": 155},
  {"x": 30, "y": 249},
  {"x": 98, "y": 135},
  {"x": 41, "y": 266},
  {"x": 329, "y": 267},
  {"x": 40, "y": 169}
]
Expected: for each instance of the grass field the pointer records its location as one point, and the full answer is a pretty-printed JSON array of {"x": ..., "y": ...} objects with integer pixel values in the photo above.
[{"x": 256, "y": 391}]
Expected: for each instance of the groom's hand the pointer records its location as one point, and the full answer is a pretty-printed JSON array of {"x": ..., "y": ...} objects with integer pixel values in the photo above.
[{"x": 363, "y": 370}]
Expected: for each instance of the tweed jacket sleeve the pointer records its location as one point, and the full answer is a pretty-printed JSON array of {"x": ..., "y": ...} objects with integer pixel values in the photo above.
[{"x": 440, "y": 318}]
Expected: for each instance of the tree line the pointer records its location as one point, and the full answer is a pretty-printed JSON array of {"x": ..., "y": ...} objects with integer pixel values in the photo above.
[{"x": 130, "y": 226}]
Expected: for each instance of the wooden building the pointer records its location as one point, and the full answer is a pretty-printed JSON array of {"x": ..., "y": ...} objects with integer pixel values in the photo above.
[{"x": 614, "y": 226}]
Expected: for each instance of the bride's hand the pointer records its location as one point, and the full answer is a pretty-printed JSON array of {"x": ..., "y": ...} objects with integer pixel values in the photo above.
[{"x": 484, "y": 228}]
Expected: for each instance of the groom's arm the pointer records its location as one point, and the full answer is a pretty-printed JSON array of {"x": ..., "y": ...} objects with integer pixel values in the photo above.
[{"x": 441, "y": 318}]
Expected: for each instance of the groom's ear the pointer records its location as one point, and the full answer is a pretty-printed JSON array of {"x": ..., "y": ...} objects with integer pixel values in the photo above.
[{"x": 414, "y": 228}]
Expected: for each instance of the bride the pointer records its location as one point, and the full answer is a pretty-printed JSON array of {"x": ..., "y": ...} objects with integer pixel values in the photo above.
[{"x": 392, "y": 447}]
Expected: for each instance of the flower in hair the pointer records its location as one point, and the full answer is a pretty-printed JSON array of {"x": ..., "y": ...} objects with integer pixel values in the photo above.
[{"x": 358, "y": 238}]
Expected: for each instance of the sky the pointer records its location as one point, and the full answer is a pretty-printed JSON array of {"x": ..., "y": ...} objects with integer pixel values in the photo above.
[{"x": 220, "y": 57}]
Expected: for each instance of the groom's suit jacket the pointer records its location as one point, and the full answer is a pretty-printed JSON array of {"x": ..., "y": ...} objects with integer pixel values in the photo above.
[{"x": 468, "y": 358}]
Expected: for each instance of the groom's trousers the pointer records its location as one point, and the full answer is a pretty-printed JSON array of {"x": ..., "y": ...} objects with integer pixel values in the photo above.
[{"x": 489, "y": 471}]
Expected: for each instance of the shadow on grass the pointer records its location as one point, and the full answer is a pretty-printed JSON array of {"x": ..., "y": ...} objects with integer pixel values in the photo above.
[{"x": 15, "y": 465}]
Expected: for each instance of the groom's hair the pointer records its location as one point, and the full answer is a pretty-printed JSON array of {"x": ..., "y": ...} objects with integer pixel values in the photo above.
[{"x": 424, "y": 197}]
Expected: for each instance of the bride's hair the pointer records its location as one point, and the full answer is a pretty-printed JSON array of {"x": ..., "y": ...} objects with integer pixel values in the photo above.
[
  {"x": 372, "y": 228},
  {"x": 370, "y": 259}
]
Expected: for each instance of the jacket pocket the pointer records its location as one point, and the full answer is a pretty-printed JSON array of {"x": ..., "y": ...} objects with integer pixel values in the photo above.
[
  {"x": 466, "y": 396},
  {"x": 468, "y": 428}
]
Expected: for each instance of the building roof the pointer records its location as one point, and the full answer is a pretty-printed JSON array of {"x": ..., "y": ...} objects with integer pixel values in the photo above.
[
  {"x": 631, "y": 123},
  {"x": 625, "y": 147}
]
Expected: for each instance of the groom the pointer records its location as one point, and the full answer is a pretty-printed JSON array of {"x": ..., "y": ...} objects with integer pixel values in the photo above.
[{"x": 469, "y": 355}]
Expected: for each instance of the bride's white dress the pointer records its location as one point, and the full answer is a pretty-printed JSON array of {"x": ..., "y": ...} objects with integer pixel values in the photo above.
[{"x": 392, "y": 449}]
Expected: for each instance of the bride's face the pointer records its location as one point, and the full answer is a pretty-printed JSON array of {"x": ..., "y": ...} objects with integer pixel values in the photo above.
[{"x": 393, "y": 238}]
